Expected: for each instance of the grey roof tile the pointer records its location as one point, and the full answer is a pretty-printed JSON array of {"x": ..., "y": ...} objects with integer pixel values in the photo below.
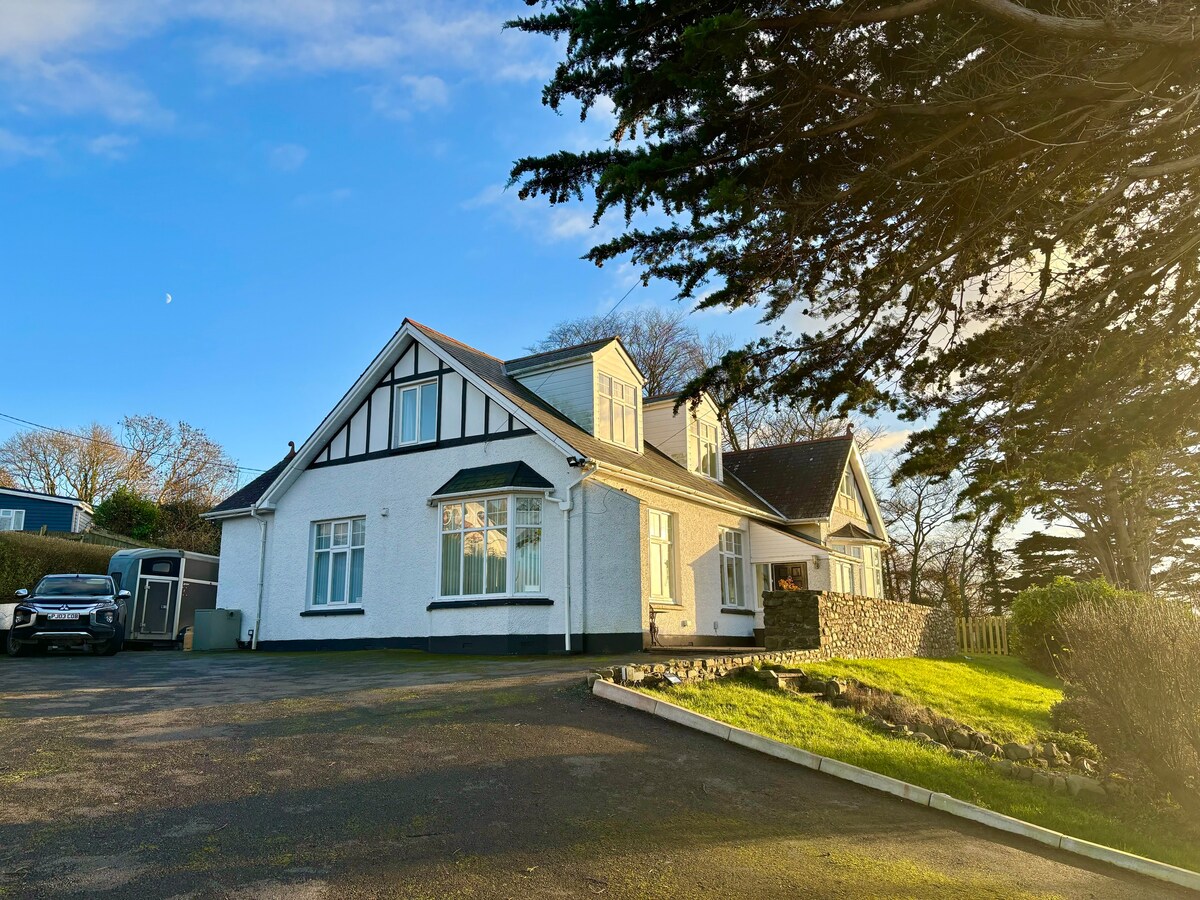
[{"x": 800, "y": 480}]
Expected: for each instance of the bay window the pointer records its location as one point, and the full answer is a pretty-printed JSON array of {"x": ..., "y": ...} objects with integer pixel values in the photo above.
[
  {"x": 491, "y": 546},
  {"x": 337, "y": 562}
]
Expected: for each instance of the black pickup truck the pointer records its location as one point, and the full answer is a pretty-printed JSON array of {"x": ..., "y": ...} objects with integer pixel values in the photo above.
[{"x": 69, "y": 610}]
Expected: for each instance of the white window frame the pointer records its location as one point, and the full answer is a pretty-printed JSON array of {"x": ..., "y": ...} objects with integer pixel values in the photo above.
[
  {"x": 699, "y": 441},
  {"x": 346, "y": 550},
  {"x": 511, "y": 529},
  {"x": 855, "y": 566},
  {"x": 731, "y": 546},
  {"x": 15, "y": 520},
  {"x": 398, "y": 413},
  {"x": 849, "y": 497},
  {"x": 660, "y": 544},
  {"x": 629, "y": 400}
]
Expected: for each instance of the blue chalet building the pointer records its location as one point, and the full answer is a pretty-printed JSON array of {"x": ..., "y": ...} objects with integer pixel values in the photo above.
[{"x": 30, "y": 511}]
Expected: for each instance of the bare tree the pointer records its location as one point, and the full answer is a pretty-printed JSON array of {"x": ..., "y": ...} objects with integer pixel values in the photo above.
[
  {"x": 176, "y": 463},
  {"x": 88, "y": 464},
  {"x": 163, "y": 462},
  {"x": 915, "y": 511},
  {"x": 661, "y": 342}
]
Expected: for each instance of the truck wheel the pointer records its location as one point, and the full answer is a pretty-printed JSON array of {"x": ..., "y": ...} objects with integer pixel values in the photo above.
[
  {"x": 14, "y": 648},
  {"x": 111, "y": 647}
]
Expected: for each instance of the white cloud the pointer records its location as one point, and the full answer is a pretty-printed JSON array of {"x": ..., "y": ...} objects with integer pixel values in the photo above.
[
  {"x": 287, "y": 157},
  {"x": 14, "y": 148},
  {"x": 410, "y": 51},
  {"x": 74, "y": 88},
  {"x": 411, "y": 93},
  {"x": 890, "y": 441},
  {"x": 111, "y": 146},
  {"x": 544, "y": 221}
]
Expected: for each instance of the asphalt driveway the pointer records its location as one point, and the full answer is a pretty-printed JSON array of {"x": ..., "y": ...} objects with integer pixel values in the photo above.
[{"x": 394, "y": 774}]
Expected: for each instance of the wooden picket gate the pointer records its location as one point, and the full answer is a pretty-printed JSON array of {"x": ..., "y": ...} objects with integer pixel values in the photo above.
[{"x": 983, "y": 634}]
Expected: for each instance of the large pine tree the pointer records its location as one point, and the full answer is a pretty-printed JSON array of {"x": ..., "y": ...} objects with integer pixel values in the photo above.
[{"x": 983, "y": 211}]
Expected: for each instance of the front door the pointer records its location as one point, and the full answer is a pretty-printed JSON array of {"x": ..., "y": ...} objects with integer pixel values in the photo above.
[{"x": 157, "y": 605}]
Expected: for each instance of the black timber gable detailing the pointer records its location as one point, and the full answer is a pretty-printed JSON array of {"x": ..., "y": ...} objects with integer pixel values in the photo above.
[
  {"x": 422, "y": 448},
  {"x": 470, "y": 417}
]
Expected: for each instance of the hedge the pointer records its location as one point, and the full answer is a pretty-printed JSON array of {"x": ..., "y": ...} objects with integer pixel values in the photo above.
[{"x": 25, "y": 558}]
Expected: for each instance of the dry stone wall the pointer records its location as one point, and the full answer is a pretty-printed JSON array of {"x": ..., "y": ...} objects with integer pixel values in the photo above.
[{"x": 848, "y": 627}]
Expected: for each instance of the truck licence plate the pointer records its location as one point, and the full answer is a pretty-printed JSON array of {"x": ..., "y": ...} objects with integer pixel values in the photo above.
[{"x": 64, "y": 615}]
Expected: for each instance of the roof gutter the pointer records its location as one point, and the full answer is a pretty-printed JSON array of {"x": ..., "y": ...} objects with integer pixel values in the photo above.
[{"x": 668, "y": 487}]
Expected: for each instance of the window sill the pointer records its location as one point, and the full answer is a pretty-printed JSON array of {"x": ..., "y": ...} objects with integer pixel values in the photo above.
[
  {"x": 668, "y": 605},
  {"x": 343, "y": 611},
  {"x": 490, "y": 601},
  {"x": 738, "y": 611}
]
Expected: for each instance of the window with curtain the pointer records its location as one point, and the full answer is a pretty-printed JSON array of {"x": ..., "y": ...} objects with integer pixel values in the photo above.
[
  {"x": 733, "y": 568},
  {"x": 704, "y": 448},
  {"x": 616, "y": 412},
  {"x": 416, "y": 413},
  {"x": 337, "y": 563},
  {"x": 491, "y": 546},
  {"x": 12, "y": 519},
  {"x": 662, "y": 572}
]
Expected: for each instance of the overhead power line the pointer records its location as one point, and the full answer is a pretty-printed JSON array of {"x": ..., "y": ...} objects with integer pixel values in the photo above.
[{"x": 159, "y": 453}]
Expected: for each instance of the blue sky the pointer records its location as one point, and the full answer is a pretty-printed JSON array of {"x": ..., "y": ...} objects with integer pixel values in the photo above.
[{"x": 298, "y": 175}]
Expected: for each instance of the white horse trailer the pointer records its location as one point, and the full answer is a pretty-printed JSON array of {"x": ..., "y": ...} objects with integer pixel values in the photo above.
[{"x": 166, "y": 588}]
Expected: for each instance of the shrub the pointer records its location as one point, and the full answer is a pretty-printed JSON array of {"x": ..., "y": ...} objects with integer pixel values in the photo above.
[
  {"x": 124, "y": 512},
  {"x": 25, "y": 558},
  {"x": 1072, "y": 742},
  {"x": 1134, "y": 672},
  {"x": 1034, "y": 632}
]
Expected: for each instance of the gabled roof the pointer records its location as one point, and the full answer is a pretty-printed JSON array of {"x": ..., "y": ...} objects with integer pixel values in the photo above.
[
  {"x": 53, "y": 498},
  {"x": 800, "y": 480},
  {"x": 546, "y": 357},
  {"x": 653, "y": 463},
  {"x": 245, "y": 497},
  {"x": 493, "y": 477},
  {"x": 853, "y": 532}
]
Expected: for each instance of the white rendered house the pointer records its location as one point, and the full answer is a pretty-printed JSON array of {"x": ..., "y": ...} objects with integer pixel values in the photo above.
[{"x": 456, "y": 502}]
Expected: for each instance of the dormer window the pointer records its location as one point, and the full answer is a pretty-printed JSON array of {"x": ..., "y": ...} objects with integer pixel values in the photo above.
[
  {"x": 705, "y": 440},
  {"x": 416, "y": 413},
  {"x": 849, "y": 499},
  {"x": 616, "y": 412}
]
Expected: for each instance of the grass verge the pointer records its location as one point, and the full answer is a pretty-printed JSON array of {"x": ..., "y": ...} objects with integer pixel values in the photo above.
[{"x": 968, "y": 690}]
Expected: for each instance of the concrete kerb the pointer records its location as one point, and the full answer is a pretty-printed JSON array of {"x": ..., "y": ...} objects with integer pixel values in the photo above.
[{"x": 911, "y": 792}]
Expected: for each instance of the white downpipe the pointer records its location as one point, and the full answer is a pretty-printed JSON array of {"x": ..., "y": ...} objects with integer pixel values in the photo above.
[
  {"x": 565, "y": 504},
  {"x": 262, "y": 571}
]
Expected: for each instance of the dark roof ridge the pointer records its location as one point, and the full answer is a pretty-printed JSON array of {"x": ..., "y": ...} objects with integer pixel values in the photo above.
[
  {"x": 598, "y": 342},
  {"x": 839, "y": 437},
  {"x": 447, "y": 337}
]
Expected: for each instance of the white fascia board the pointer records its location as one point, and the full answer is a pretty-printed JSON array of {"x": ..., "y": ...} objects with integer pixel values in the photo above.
[
  {"x": 34, "y": 495},
  {"x": 488, "y": 492},
  {"x": 875, "y": 515},
  {"x": 668, "y": 487},
  {"x": 226, "y": 514},
  {"x": 333, "y": 422}
]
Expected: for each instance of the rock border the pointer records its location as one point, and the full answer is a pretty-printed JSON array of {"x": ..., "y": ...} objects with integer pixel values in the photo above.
[{"x": 624, "y": 696}]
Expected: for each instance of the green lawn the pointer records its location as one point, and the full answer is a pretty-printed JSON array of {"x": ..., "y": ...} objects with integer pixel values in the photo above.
[
  {"x": 968, "y": 690},
  {"x": 998, "y": 695}
]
